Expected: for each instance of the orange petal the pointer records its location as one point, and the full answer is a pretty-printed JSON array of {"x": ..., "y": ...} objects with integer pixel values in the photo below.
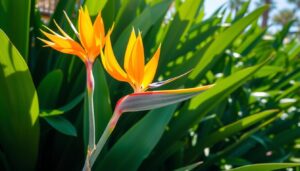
[
  {"x": 86, "y": 31},
  {"x": 110, "y": 63},
  {"x": 99, "y": 30},
  {"x": 136, "y": 64},
  {"x": 150, "y": 69},
  {"x": 63, "y": 44},
  {"x": 130, "y": 44}
]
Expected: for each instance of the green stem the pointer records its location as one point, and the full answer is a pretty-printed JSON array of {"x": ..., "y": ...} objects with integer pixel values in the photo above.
[
  {"x": 104, "y": 137},
  {"x": 90, "y": 92}
]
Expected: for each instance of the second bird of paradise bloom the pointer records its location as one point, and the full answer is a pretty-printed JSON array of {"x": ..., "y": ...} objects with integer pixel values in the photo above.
[
  {"x": 91, "y": 39},
  {"x": 135, "y": 72},
  {"x": 140, "y": 77}
]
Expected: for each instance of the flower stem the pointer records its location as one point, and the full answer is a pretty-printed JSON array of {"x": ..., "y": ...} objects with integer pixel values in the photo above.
[
  {"x": 104, "y": 137},
  {"x": 90, "y": 92}
]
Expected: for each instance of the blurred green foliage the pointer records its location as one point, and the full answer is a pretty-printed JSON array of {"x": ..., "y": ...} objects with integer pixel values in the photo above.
[{"x": 249, "y": 116}]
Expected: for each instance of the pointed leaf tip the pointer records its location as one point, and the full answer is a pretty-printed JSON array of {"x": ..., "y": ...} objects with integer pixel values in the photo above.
[{"x": 161, "y": 83}]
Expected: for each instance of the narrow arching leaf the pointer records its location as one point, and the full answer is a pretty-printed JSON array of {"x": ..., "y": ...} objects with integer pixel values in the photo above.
[
  {"x": 222, "y": 42},
  {"x": 182, "y": 21},
  {"x": 266, "y": 166},
  {"x": 189, "y": 167},
  {"x": 64, "y": 109},
  {"x": 161, "y": 83},
  {"x": 235, "y": 127}
]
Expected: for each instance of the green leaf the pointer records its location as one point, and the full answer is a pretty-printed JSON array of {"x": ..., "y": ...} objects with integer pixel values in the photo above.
[
  {"x": 244, "y": 8},
  {"x": 222, "y": 42},
  {"x": 126, "y": 14},
  {"x": 189, "y": 167},
  {"x": 282, "y": 34},
  {"x": 235, "y": 127},
  {"x": 64, "y": 109},
  {"x": 199, "y": 106},
  {"x": 268, "y": 70},
  {"x": 19, "y": 125},
  {"x": 14, "y": 17},
  {"x": 49, "y": 88},
  {"x": 94, "y": 6},
  {"x": 102, "y": 104},
  {"x": 62, "y": 125},
  {"x": 178, "y": 28},
  {"x": 137, "y": 143},
  {"x": 266, "y": 166},
  {"x": 144, "y": 22}
]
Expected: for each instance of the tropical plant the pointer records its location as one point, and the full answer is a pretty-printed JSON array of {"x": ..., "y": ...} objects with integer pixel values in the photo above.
[{"x": 249, "y": 117}]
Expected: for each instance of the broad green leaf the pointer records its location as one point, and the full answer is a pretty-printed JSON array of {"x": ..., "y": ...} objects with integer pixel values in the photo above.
[
  {"x": 222, "y": 41},
  {"x": 61, "y": 125},
  {"x": 143, "y": 22},
  {"x": 126, "y": 14},
  {"x": 266, "y": 166},
  {"x": 19, "y": 125},
  {"x": 109, "y": 12},
  {"x": 49, "y": 89},
  {"x": 102, "y": 103},
  {"x": 137, "y": 143},
  {"x": 94, "y": 6},
  {"x": 17, "y": 29}
]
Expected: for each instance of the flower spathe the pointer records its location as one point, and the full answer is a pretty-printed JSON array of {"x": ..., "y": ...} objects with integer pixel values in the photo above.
[
  {"x": 91, "y": 37},
  {"x": 135, "y": 72}
]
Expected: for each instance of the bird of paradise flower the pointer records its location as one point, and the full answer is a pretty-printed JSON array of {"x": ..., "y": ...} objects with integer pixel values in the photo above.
[
  {"x": 139, "y": 76},
  {"x": 92, "y": 39}
]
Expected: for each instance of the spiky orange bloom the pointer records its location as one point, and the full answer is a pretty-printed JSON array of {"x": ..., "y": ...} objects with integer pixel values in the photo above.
[
  {"x": 136, "y": 73},
  {"x": 91, "y": 36}
]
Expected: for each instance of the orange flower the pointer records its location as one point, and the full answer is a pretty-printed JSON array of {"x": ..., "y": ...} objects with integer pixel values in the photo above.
[
  {"x": 136, "y": 73},
  {"x": 91, "y": 36}
]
